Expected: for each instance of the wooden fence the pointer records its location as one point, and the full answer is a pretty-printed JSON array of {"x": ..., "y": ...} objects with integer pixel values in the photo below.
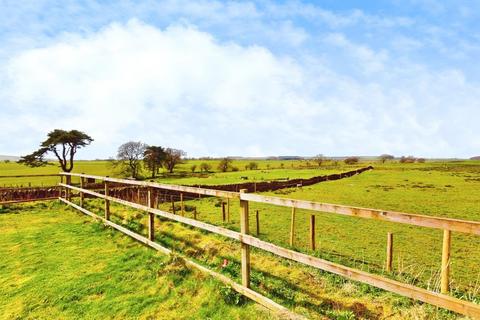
[{"x": 247, "y": 241}]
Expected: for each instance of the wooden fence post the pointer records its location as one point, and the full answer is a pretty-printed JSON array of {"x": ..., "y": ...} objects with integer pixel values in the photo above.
[
  {"x": 257, "y": 218},
  {"x": 182, "y": 205},
  {"x": 292, "y": 227},
  {"x": 82, "y": 195},
  {"x": 68, "y": 193},
  {"x": 151, "y": 216},
  {"x": 223, "y": 211},
  {"x": 244, "y": 229},
  {"x": 389, "y": 251},
  {"x": 447, "y": 241},
  {"x": 195, "y": 213},
  {"x": 173, "y": 204},
  {"x": 61, "y": 189},
  {"x": 107, "y": 202},
  {"x": 312, "y": 232},
  {"x": 228, "y": 209}
]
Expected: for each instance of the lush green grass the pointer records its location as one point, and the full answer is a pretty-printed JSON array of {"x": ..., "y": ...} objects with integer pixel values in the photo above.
[{"x": 57, "y": 264}]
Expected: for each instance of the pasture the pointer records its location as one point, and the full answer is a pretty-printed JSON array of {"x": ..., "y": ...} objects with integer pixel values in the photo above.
[
  {"x": 447, "y": 189},
  {"x": 58, "y": 264}
]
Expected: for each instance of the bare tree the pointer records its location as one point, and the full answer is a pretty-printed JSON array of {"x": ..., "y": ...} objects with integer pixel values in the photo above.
[
  {"x": 319, "y": 158},
  {"x": 173, "y": 157},
  {"x": 129, "y": 157}
]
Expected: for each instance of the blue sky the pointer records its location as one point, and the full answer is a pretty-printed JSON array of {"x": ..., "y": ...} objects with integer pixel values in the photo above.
[{"x": 251, "y": 78}]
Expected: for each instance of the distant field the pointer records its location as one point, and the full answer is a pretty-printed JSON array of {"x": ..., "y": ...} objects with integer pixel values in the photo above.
[{"x": 268, "y": 170}]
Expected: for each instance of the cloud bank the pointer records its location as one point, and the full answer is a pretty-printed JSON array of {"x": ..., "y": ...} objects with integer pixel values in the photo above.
[{"x": 183, "y": 87}]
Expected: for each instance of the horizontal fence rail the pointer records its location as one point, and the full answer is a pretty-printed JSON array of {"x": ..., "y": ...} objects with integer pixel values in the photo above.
[
  {"x": 465, "y": 226},
  {"x": 438, "y": 299},
  {"x": 200, "y": 191}
]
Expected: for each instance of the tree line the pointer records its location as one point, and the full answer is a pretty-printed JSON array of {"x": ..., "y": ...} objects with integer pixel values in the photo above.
[
  {"x": 133, "y": 154},
  {"x": 64, "y": 145}
]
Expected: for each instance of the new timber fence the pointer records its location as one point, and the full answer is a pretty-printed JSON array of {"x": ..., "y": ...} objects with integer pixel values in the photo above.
[
  {"x": 146, "y": 196},
  {"x": 443, "y": 299}
]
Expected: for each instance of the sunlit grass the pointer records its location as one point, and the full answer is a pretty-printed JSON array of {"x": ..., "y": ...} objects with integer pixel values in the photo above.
[{"x": 57, "y": 264}]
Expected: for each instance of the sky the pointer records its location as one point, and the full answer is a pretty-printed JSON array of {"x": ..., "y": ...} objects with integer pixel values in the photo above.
[{"x": 243, "y": 78}]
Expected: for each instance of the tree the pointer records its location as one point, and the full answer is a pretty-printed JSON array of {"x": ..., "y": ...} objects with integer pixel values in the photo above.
[
  {"x": 193, "y": 167},
  {"x": 172, "y": 158},
  {"x": 319, "y": 158},
  {"x": 252, "y": 165},
  {"x": 225, "y": 164},
  {"x": 153, "y": 158},
  {"x": 385, "y": 157},
  {"x": 409, "y": 159},
  {"x": 130, "y": 155},
  {"x": 351, "y": 160},
  {"x": 205, "y": 167},
  {"x": 63, "y": 144}
]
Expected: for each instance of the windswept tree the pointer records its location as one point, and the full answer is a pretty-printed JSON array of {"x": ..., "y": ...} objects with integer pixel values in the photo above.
[
  {"x": 63, "y": 144},
  {"x": 130, "y": 156},
  {"x": 153, "y": 157},
  {"x": 173, "y": 157},
  {"x": 385, "y": 157}
]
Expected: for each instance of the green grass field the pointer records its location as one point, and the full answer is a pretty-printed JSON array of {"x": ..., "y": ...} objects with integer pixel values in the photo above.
[
  {"x": 268, "y": 170},
  {"x": 448, "y": 189},
  {"x": 57, "y": 264}
]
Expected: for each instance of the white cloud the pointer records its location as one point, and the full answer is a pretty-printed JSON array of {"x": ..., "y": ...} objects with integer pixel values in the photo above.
[{"x": 181, "y": 87}]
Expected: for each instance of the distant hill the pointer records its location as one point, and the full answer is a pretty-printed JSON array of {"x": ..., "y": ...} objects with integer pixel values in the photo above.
[
  {"x": 475, "y": 158},
  {"x": 11, "y": 158}
]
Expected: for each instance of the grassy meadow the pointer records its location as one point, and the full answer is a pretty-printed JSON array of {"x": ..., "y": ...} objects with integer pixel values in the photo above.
[
  {"x": 442, "y": 188},
  {"x": 267, "y": 170},
  {"x": 58, "y": 264}
]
